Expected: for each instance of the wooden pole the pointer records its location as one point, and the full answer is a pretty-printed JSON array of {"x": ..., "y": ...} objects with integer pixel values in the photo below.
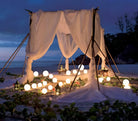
[
  {"x": 112, "y": 59},
  {"x": 14, "y": 53}
]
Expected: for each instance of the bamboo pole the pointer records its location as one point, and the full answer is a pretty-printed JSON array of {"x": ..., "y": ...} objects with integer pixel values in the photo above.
[
  {"x": 112, "y": 59},
  {"x": 14, "y": 53}
]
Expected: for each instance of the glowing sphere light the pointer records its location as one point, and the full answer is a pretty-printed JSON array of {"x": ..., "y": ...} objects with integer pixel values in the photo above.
[
  {"x": 50, "y": 87},
  {"x": 74, "y": 71},
  {"x": 127, "y": 87},
  {"x": 27, "y": 87},
  {"x": 85, "y": 71},
  {"x": 34, "y": 85},
  {"x": 54, "y": 80},
  {"x": 125, "y": 82},
  {"x": 68, "y": 72},
  {"x": 68, "y": 81},
  {"x": 44, "y": 83},
  {"x": 40, "y": 84},
  {"x": 51, "y": 76},
  {"x": 100, "y": 79},
  {"x": 36, "y": 73},
  {"x": 45, "y": 73},
  {"x": 44, "y": 90},
  {"x": 60, "y": 84},
  {"x": 108, "y": 78}
]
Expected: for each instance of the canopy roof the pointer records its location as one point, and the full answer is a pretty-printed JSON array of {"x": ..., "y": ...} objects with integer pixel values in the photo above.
[{"x": 73, "y": 28}]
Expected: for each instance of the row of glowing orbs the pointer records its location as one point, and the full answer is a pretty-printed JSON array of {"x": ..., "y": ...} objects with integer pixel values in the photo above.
[
  {"x": 101, "y": 79},
  {"x": 75, "y": 72},
  {"x": 125, "y": 82},
  {"x": 45, "y": 73}
]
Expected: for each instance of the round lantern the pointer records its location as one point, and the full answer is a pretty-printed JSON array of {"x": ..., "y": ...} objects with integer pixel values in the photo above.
[
  {"x": 125, "y": 82},
  {"x": 108, "y": 78},
  {"x": 36, "y": 73},
  {"x": 45, "y": 73},
  {"x": 100, "y": 79},
  {"x": 51, "y": 76},
  {"x": 74, "y": 71},
  {"x": 34, "y": 85},
  {"x": 54, "y": 80},
  {"x": 127, "y": 87},
  {"x": 60, "y": 84},
  {"x": 44, "y": 83},
  {"x": 50, "y": 87},
  {"x": 68, "y": 81},
  {"x": 40, "y": 84},
  {"x": 85, "y": 71},
  {"x": 27, "y": 87},
  {"x": 68, "y": 72},
  {"x": 44, "y": 90}
]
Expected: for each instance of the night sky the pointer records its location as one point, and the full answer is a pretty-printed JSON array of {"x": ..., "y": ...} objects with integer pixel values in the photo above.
[{"x": 14, "y": 20}]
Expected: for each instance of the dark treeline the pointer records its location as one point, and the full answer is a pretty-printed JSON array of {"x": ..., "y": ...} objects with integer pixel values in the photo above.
[{"x": 124, "y": 46}]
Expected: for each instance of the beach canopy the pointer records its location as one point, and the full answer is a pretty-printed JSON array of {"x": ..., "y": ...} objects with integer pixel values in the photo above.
[{"x": 73, "y": 29}]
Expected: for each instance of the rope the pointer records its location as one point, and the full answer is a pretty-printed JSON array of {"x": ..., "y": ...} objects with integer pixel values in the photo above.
[
  {"x": 73, "y": 63},
  {"x": 112, "y": 59},
  {"x": 14, "y": 53},
  {"x": 60, "y": 61}
]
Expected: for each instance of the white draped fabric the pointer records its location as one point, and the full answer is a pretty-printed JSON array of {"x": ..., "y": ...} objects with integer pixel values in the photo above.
[
  {"x": 66, "y": 41},
  {"x": 73, "y": 29},
  {"x": 80, "y": 25},
  {"x": 102, "y": 47}
]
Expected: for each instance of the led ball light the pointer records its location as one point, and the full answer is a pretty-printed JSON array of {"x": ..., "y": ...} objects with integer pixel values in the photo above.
[
  {"x": 51, "y": 76},
  {"x": 39, "y": 84},
  {"x": 60, "y": 84},
  {"x": 100, "y": 79},
  {"x": 82, "y": 67},
  {"x": 125, "y": 82},
  {"x": 27, "y": 87},
  {"x": 127, "y": 87},
  {"x": 34, "y": 85},
  {"x": 85, "y": 71},
  {"x": 68, "y": 72},
  {"x": 45, "y": 73},
  {"x": 50, "y": 87},
  {"x": 108, "y": 78},
  {"x": 74, "y": 71},
  {"x": 36, "y": 73},
  {"x": 54, "y": 80},
  {"x": 44, "y": 90},
  {"x": 44, "y": 83},
  {"x": 79, "y": 73},
  {"x": 68, "y": 81}
]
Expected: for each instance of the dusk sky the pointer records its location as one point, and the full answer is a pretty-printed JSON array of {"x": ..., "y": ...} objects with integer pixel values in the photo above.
[{"x": 14, "y": 20}]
